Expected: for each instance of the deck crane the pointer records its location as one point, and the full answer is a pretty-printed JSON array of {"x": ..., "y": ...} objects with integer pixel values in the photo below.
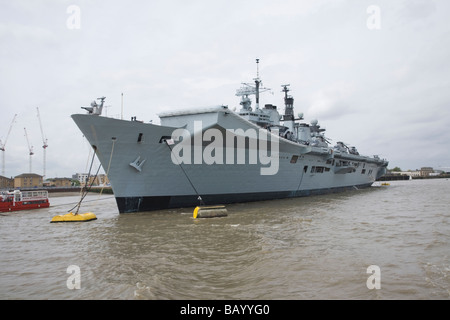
[
  {"x": 30, "y": 148},
  {"x": 2, "y": 145},
  {"x": 44, "y": 140}
]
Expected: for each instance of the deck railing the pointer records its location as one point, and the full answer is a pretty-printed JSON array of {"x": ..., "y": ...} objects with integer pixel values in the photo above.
[{"x": 34, "y": 195}]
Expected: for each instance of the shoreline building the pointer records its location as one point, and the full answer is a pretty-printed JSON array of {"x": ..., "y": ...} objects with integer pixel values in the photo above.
[
  {"x": 426, "y": 171},
  {"x": 6, "y": 183},
  {"x": 28, "y": 180}
]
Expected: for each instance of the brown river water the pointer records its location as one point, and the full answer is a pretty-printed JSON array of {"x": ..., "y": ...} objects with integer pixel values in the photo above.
[{"x": 319, "y": 247}]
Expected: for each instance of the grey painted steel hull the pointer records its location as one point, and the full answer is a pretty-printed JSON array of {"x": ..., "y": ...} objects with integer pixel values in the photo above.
[{"x": 144, "y": 177}]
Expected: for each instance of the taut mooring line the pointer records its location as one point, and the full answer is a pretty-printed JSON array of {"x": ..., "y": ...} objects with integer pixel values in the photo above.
[{"x": 179, "y": 163}]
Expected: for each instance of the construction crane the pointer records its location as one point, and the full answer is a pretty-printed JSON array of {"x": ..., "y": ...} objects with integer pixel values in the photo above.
[
  {"x": 44, "y": 140},
  {"x": 3, "y": 145},
  {"x": 30, "y": 148}
]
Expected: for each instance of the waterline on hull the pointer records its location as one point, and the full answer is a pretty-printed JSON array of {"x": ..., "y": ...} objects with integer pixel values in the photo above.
[{"x": 152, "y": 203}]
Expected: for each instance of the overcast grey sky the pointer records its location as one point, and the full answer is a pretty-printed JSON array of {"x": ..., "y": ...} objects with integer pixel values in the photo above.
[{"x": 374, "y": 73}]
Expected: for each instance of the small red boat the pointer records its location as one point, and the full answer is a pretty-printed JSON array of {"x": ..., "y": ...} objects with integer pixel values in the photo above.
[{"x": 23, "y": 200}]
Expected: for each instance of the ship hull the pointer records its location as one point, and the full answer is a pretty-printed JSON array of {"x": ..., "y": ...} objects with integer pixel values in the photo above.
[
  {"x": 149, "y": 203},
  {"x": 145, "y": 175}
]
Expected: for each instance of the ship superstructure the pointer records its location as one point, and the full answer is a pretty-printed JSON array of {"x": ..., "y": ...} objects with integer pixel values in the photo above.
[{"x": 217, "y": 156}]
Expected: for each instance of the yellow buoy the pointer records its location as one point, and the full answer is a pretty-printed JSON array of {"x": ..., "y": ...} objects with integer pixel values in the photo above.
[
  {"x": 210, "y": 212},
  {"x": 74, "y": 217}
]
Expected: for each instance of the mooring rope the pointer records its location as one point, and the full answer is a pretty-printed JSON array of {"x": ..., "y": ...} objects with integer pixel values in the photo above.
[
  {"x": 192, "y": 185},
  {"x": 109, "y": 165},
  {"x": 85, "y": 190}
]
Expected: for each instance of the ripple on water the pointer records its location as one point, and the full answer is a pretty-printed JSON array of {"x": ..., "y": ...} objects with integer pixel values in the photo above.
[{"x": 307, "y": 248}]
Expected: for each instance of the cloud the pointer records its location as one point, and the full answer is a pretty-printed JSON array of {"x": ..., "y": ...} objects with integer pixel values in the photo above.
[
  {"x": 22, "y": 33},
  {"x": 414, "y": 10},
  {"x": 385, "y": 91},
  {"x": 332, "y": 102}
]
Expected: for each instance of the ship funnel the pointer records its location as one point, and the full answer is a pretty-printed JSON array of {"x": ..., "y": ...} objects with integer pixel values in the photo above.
[{"x": 289, "y": 103}]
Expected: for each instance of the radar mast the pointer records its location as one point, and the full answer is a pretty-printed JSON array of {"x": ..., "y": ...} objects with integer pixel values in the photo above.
[{"x": 248, "y": 89}]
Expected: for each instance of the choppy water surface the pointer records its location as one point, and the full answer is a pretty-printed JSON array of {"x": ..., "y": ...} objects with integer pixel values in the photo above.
[{"x": 306, "y": 248}]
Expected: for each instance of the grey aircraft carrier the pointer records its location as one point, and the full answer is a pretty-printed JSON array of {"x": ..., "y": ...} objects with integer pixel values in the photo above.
[{"x": 217, "y": 156}]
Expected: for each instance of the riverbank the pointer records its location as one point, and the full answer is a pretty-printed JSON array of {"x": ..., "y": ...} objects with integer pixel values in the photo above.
[
  {"x": 396, "y": 177},
  {"x": 71, "y": 190}
]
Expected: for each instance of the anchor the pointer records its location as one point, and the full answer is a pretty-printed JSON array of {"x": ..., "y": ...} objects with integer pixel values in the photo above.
[{"x": 137, "y": 164}]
